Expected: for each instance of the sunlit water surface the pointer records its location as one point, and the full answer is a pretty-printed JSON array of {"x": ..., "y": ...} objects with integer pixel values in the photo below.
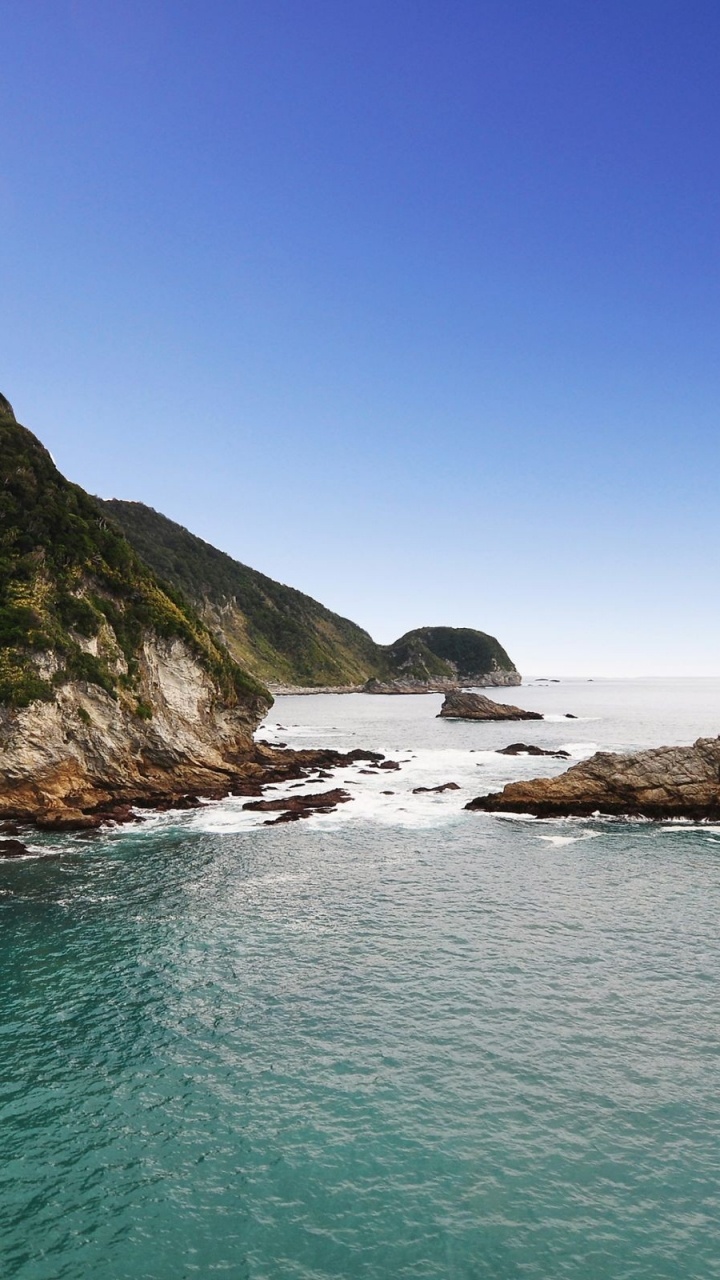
[{"x": 400, "y": 1040}]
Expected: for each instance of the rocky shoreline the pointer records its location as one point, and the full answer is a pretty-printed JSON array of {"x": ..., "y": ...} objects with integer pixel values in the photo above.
[
  {"x": 662, "y": 783},
  {"x": 264, "y": 766},
  {"x": 490, "y": 680}
]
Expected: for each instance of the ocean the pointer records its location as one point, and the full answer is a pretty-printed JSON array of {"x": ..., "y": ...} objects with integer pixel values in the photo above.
[{"x": 399, "y": 1040}]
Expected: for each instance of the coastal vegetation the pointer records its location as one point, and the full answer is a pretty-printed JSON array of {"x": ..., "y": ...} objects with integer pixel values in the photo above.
[{"x": 76, "y": 600}]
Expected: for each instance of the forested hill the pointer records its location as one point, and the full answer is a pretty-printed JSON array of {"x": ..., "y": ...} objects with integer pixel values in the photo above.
[
  {"x": 278, "y": 633},
  {"x": 285, "y": 637}
]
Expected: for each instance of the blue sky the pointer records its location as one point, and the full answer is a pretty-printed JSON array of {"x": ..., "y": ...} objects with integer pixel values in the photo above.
[{"x": 413, "y": 305}]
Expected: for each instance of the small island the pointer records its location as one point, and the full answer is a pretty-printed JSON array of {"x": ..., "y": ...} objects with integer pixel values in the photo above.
[{"x": 475, "y": 706}]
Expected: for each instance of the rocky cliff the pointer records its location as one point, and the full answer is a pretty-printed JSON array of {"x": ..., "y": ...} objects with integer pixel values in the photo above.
[
  {"x": 112, "y": 689},
  {"x": 668, "y": 782},
  {"x": 290, "y": 640}
]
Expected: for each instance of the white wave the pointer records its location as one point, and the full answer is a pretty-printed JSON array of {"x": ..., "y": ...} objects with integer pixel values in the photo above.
[{"x": 587, "y": 835}]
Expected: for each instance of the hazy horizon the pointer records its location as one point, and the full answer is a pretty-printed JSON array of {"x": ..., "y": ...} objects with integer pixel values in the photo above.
[{"x": 414, "y": 308}]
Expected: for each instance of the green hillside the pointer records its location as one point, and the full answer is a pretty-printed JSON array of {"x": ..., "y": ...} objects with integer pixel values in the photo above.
[
  {"x": 469, "y": 652},
  {"x": 70, "y": 583},
  {"x": 278, "y": 633},
  {"x": 284, "y": 636}
]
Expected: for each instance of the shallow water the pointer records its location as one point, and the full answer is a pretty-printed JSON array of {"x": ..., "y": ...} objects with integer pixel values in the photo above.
[{"x": 400, "y": 1040}]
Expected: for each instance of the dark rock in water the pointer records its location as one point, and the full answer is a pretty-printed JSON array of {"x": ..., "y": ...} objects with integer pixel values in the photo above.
[
  {"x": 389, "y": 764},
  {"x": 288, "y": 816},
  {"x": 387, "y": 793},
  {"x": 445, "y": 786},
  {"x": 321, "y": 800},
  {"x": 526, "y": 749},
  {"x": 569, "y": 716},
  {"x": 475, "y": 706},
  {"x": 12, "y": 849},
  {"x": 668, "y": 782},
  {"x": 9, "y": 829}
]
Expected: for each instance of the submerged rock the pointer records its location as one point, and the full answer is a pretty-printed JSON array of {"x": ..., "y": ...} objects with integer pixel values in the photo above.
[
  {"x": 666, "y": 782},
  {"x": 475, "y": 706},
  {"x": 444, "y": 786}
]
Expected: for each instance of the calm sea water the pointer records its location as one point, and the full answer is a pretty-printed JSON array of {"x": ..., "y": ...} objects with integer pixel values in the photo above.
[{"x": 398, "y": 1041}]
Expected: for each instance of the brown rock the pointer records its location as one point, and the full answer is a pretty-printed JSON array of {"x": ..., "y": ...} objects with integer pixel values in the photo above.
[
  {"x": 475, "y": 706},
  {"x": 667, "y": 782},
  {"x": 301, "y": 804},
  {"x": 69, "y": 820}
]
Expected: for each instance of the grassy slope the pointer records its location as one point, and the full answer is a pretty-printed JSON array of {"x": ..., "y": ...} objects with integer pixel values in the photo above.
[
  {"x": 68, "y": 574},
  {"x": 282, "y": 635},
  {"x": 277, "y": 632}
]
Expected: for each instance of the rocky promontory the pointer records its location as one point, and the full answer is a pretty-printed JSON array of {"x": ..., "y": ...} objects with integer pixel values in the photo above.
[
  {"x": 666, "y": 782},
  {"x": 112, "y": 689},
  {"x": 475, "y": 706}
]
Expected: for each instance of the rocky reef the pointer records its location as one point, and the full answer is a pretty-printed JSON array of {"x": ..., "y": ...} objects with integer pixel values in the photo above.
[
  {"x": 474, "y": 706},
  {"x": 666, "y": 782}
]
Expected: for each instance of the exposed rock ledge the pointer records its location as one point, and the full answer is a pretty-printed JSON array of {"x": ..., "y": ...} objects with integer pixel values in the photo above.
[
  {"x": 668, "y": 782},
  {"x": 474, "y": 706}
]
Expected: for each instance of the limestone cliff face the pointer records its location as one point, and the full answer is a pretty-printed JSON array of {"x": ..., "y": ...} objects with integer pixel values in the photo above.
[
  {"x": 667, "y": 782},
  {"x": 85, "y": 750},
  {"x": 111, "y": 691}
]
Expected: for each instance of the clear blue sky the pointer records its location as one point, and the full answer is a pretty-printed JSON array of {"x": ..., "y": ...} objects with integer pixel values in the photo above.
[{"x": 413, "y": 304}]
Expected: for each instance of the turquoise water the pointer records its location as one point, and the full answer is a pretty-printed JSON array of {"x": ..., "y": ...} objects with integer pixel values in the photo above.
[{"x": 399, "y": 1041}]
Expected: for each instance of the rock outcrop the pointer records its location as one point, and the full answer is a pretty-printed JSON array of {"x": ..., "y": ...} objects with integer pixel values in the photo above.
[
  {"x": 667, "y": 782},
  {"x": 292, "y": 808},
  {"x": 474, "y": 706},
  {"x": 526, "y": 749}
]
